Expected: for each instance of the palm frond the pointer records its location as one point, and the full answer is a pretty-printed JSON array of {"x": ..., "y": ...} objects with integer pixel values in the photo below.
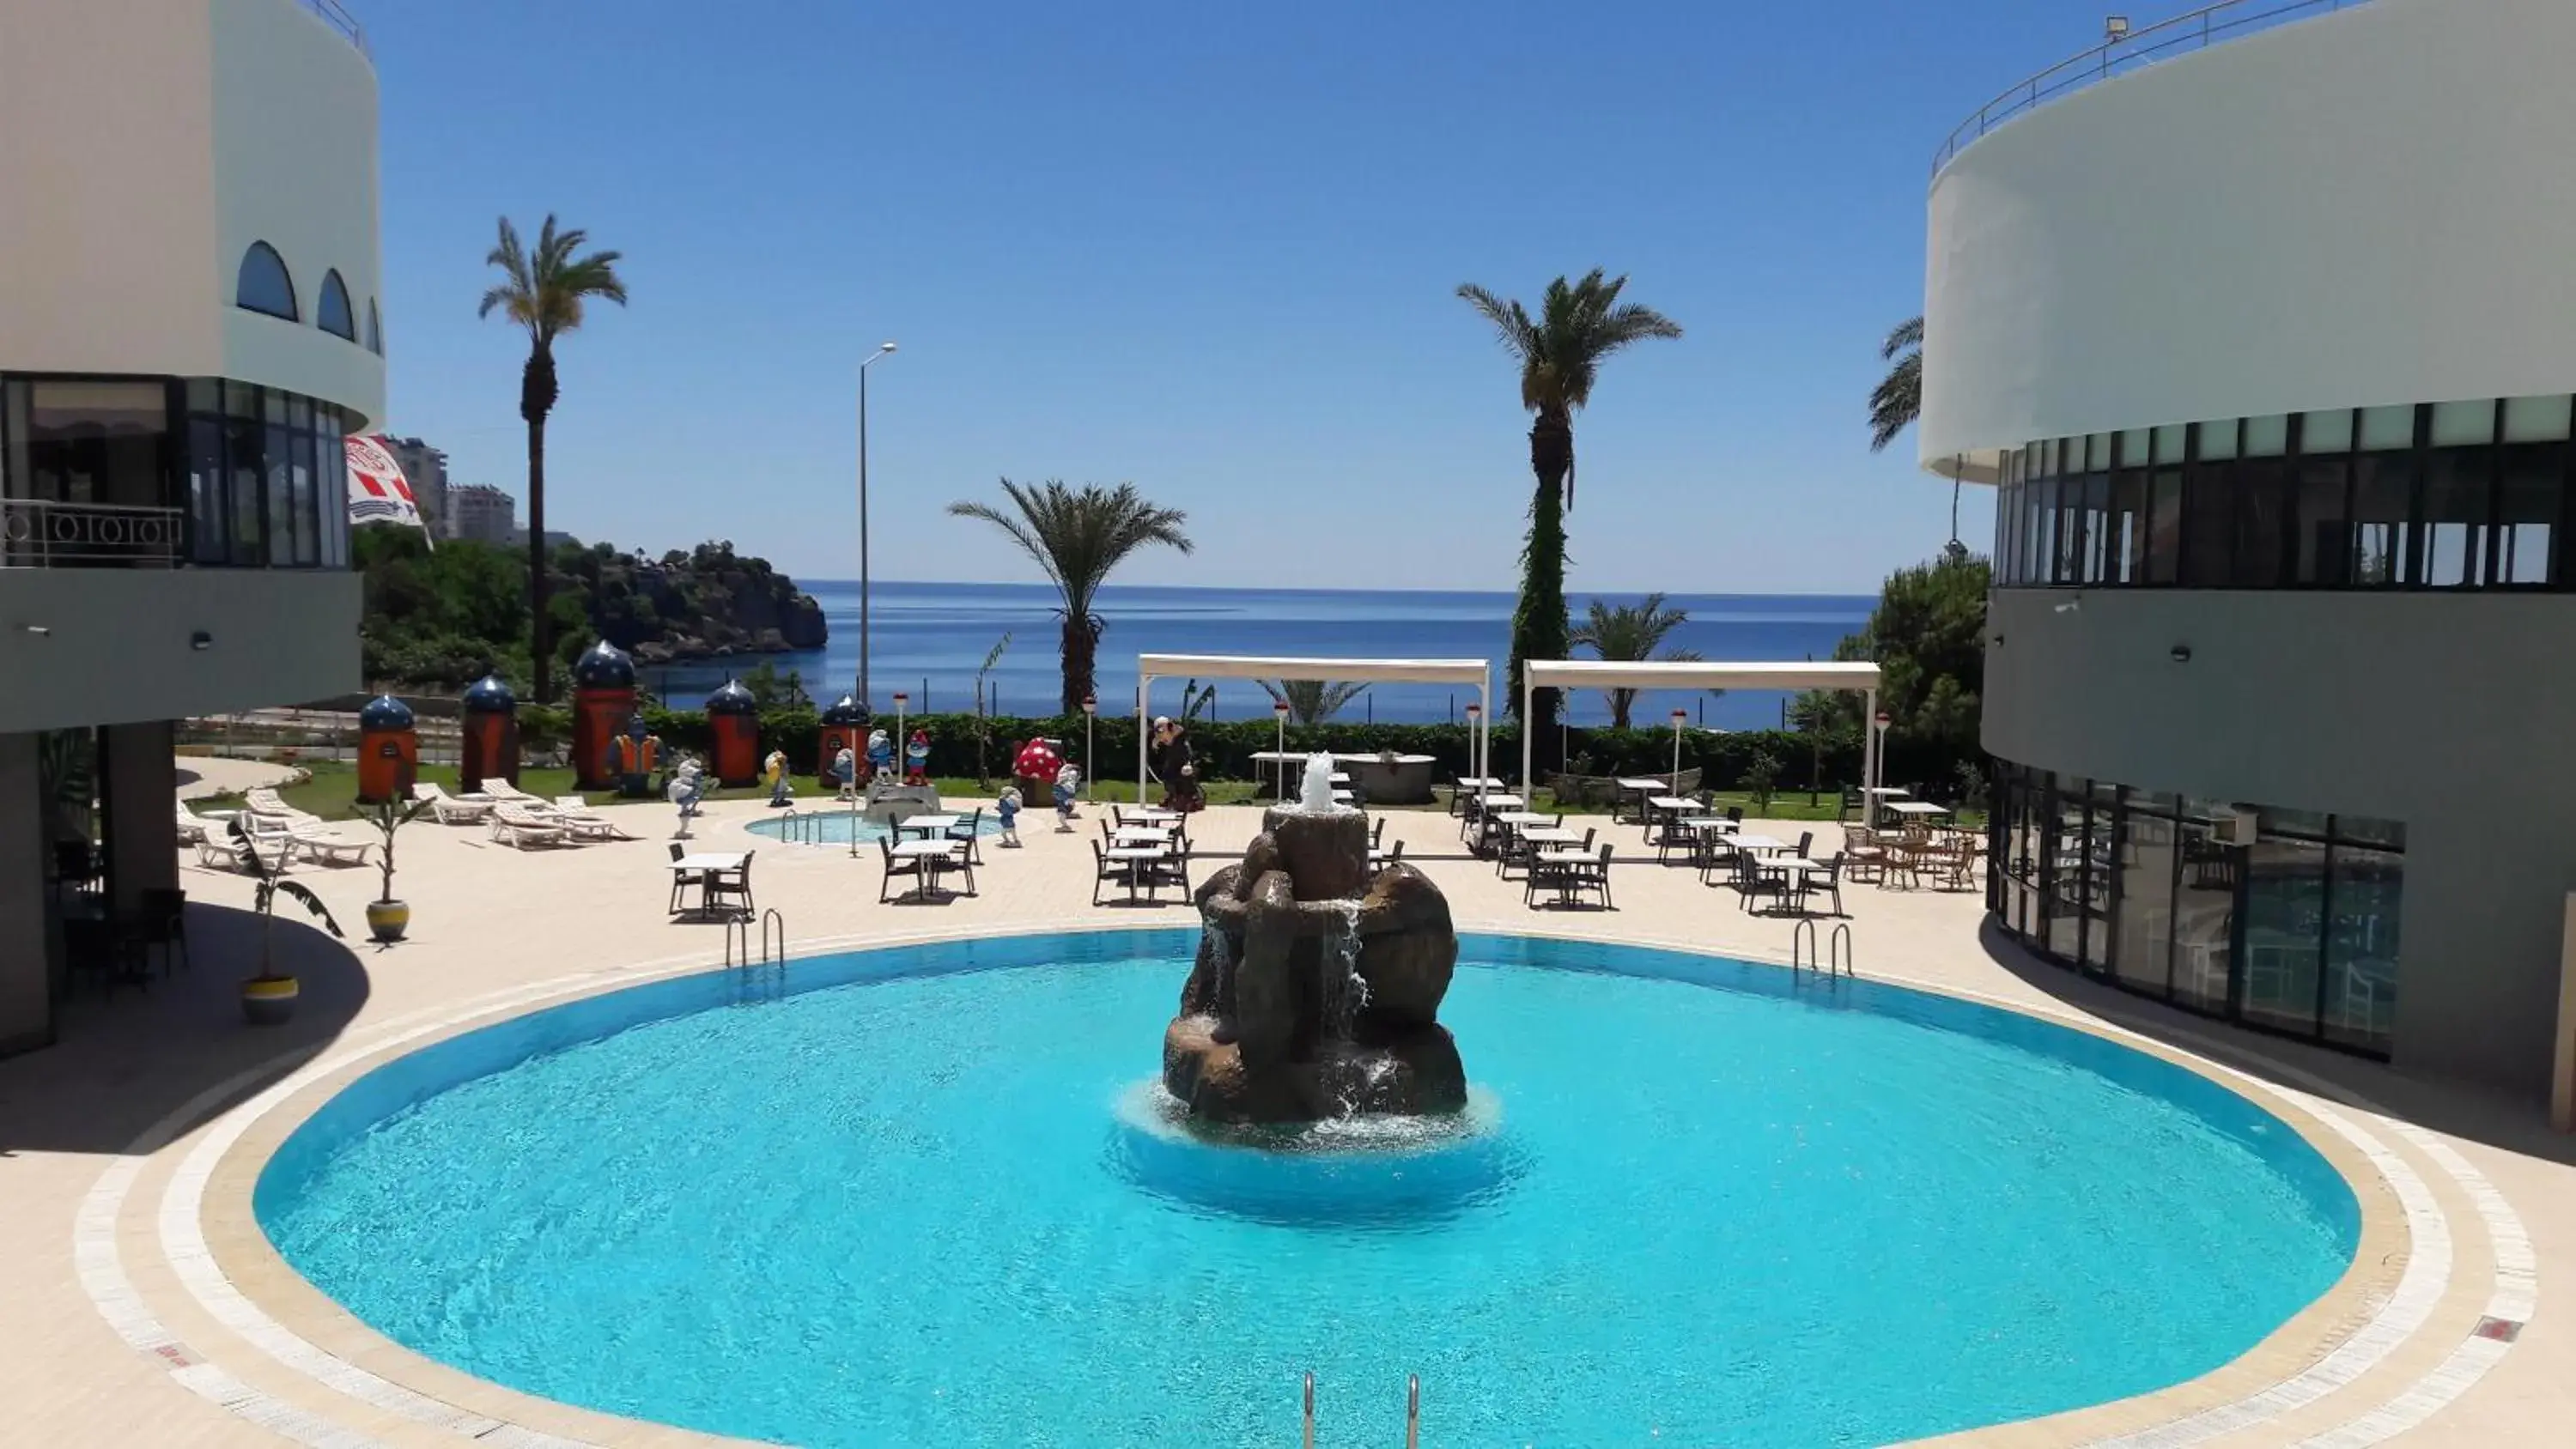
[
  {"x": 1579, "y": 323},
  {"x": 544, "y": 290},
  {"x": 1907, "y": 334},
  {"x": 1079, "y": 536},
  {"x": 299, "y": 892},
  {"x": 1312, "y": 701}
]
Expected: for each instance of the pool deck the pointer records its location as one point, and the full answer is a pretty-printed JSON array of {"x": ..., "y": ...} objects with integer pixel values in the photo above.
[{"x": 140, "y": 1304}]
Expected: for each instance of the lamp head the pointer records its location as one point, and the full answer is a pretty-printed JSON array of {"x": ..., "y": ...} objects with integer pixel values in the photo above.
[{"x": 885, "y": 347}]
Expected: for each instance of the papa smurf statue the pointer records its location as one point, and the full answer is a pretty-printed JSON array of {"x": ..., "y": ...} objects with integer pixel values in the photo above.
[
  {"x": 880, "y": 755},
  {"x": 916, "y": 758},
  {"x": 1008, "y": 808}
]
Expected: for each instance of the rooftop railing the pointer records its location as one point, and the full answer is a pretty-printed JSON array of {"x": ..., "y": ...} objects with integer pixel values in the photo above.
[
  {"x": 2139, "y": 48},
  {"x": 342, "y": 21},
  {"x": 40, "y": 534}
]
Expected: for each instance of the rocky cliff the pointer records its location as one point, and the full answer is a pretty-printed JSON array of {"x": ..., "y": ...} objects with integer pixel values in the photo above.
[{"x": 701, "y": 604}]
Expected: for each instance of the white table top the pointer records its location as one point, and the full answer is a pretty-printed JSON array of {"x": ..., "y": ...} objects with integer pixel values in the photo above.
[
  {"x": 1148, "y": 814},
  {"x": 1494, "y": 800},
  {"x": 731, "y": 861},
  {"x": 1568, "y": 857},
  {"x": 1643, "y": 782},
  {"x": 1488, "y": 782},
  {"x": 1141, "y": 834},
  {"x": 1523, "y": 817},
  {"x": 1552, "y": 835},
  {"x": 1709, "y": 822},
  {"x": 919, "y": 849},
  {"x": 1136, "y": 852},
  {"x": 1676, "y": 804},
  {"x": 1760, "y": 842},
  {"x": 1885, "y": 790},
  {"x": 1913, "y": 807},
  {"x": 929, "y": 822},
  {"x": 1797, "y": 863}
]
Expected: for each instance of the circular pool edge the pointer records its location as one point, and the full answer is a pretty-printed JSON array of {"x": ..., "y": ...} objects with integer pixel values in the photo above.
[{"x": 241, "y": 1273}]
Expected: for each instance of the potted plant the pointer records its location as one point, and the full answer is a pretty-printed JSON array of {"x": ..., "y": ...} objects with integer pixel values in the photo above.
[
  {"x": 386, "y": 917},
  {"x": 268, "y": 999}
]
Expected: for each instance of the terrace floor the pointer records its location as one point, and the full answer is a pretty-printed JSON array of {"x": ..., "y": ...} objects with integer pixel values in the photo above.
[{"x": 141, "y": 1305}]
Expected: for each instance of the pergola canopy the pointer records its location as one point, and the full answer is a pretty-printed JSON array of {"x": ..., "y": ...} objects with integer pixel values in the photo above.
[
  {"x": 1670, "y": 674},
  {"x": 1356, "y": 671}
]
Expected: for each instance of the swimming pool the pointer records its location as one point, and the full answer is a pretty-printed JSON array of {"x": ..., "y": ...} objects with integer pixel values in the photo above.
[
  {"x": 908, "y": 1202},
  {"x": 824, "y": 826}
]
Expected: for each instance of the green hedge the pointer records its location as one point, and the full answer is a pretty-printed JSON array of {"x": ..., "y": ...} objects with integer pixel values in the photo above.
[{"x": 1225, "y": 748}]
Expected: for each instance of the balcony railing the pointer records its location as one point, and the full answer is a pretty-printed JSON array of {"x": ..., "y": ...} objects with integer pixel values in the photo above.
[
  {"x": 39, "y": 534},
  {"x": 342, "y": 21},
  {"x": 2196, "y": 31}
]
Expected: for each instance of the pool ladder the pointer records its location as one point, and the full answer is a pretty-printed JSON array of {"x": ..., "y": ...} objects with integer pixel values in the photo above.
[
  {"x": 1412, "y": 1411},
  {"x": 797, "y": 827},
  {"x": 1837, "y": 957},
  {"x": 764, "y": 979}
]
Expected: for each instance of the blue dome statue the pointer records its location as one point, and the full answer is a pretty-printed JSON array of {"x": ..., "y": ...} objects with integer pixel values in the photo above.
[{"x": 605, "y": 666}]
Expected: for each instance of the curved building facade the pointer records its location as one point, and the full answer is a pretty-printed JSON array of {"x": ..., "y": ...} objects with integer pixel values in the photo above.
[{"x": 2265, "y": 348}]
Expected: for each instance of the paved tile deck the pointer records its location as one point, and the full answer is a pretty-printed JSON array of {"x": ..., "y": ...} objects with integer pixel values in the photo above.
[{"x": 125, "y": 1186}]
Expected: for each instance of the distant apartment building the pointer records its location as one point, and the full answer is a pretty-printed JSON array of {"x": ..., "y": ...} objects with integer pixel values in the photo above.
[
  {"x": 425, "y": 468},
  {"x": 480, "y": 513}
]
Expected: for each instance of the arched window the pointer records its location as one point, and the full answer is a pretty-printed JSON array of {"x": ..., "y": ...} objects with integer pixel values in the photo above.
[
  {"x": 263, "y": 285},
  {"x": 333, "y": 315},
  {"x": 375, "y": 330}
]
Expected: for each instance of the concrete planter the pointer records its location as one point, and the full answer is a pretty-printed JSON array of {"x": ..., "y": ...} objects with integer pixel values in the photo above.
[
  {"x": 268, "y": 1000},
  {"x": 387, "y": 920}
]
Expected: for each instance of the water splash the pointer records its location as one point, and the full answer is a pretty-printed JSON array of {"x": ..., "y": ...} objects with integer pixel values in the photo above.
[
  {"x": 1344, "y": 990},
  {"x": 1316, "y": 796},
  {"x": 1220, "y": 951}
]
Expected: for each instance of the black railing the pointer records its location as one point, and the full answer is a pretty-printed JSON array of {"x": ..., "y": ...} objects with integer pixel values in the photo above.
[
  {"x": 342, "y": 21},
  {"x": 38, "y": 533}
]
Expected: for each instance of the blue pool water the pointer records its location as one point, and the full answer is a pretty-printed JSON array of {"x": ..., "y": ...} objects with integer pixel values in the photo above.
[
  {"x": 824, "y": 826},
  {"x": 917, "y": 1198}
]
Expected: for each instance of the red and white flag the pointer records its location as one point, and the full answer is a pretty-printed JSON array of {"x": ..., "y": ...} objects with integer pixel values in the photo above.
[{"x": 378, "y": 492}]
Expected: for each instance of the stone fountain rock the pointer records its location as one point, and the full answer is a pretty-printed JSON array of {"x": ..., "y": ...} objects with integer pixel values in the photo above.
[{"x": 1317, "y": 988}]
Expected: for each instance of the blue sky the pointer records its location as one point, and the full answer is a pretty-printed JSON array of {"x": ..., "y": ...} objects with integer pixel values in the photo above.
[{"x": 1207, "y": 248}]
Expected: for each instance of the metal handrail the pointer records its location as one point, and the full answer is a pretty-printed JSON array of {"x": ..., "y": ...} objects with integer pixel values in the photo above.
[
  {"x": 2195, "y": 31},
  {"x": 1310, "y": 1410},
  {"x": 1413, "y": 1411},
  {"x": 342, "y": 21},
  {"x": 40, "y": 533}
]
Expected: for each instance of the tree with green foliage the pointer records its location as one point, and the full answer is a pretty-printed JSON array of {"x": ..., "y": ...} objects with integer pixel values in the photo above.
[
  {"x": 544, "y": 292},
  {"x": 1560, "y": 352},
  {"x": 1928, "y": 637},
  {"x": 1631, "y": 633},
  {"x": 1897, "y": 402},
  {"x": 1078, "y": 536},
  {"x": 1311, "y": 701}
]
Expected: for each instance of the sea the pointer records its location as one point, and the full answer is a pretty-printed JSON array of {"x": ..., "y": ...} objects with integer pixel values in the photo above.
[{"x": 932, "y": 638}]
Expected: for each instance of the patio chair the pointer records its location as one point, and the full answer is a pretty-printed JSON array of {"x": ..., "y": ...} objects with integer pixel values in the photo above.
[
  {"x": 917, "y": 868},
  {"x": 1595, "y": 876},
  {"x": 730, "y": 886},
  {"x": 1173, "y": 869},
  {"x": 160, "y": 919},
  {"x": 1829, "y": 880},
  {"x": 1556, "y": 875},
  {"x": 1107, "y": 871},
  {"x": 1863, "y": 856},
  {"x": 448, "y": 809},
  {"x": 683, "y": 880},
  {"x": 1392, "y": 855},
  {"x": 519, "y": 827},
  {"x": 1752, "y": 881},
  {"x": 1954, "y": 861},
  {"x": 192, "y": 826},
  {"x": 968, "y": 832}
]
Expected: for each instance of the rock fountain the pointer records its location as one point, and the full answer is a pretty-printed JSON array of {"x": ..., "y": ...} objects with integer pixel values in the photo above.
[{"x": 1316, "y": 993}]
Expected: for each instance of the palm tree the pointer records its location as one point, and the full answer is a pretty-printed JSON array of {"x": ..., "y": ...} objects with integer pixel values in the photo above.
[
  {"x": 1078, "y": 536},
  {"x": 1560, "y": 353},
  {"x": 1898, "y": 399},
  {"x": 1312, "y": 701},
  {"x": 1631, "y": 632},
  {"x": 543, "y": 292}
]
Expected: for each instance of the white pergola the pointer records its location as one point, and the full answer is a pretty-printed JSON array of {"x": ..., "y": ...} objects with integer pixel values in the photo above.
[
  {"x": 1666, "y": 674},
  {"x": 1151, "y": 667}
]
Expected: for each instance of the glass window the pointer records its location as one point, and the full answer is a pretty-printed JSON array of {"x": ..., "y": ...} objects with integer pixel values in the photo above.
[
  {"x": 2147, "y": 862},
  {"x": 2217, "y": 440},
  {"x": 262, "y": 284},
  {"x": 375, "y": 329},
  {"x": 205, "y": 395},
  {"x": 2043, "y": 553},
  {"x": 2267, "y": 437},
  {"x": 2066, "y": 871},
  {"x": 2209, "y": 524},
  {"x": 2070, "y": 531},
  {"x": 2463, "y": 424},
  {"x": 2383, "y": 486},
  {"x": 272, "y": 405},
  {"x": 278, "y": 456},
  {"x": 2535, "y": 419},
  {"x": 2171, "y": 442},
  {"x": 2262, "y": 522},
  {"x": 2097, "y": 453},
  {"x": 206, "y": 516},
  {"x": 2322, "y": 522},
  {"x": 2204, "y": 914},
  {"x": 2097, "y": 529},
  {"x": 2384, "y": 428},
  {"x": 2125, "y": 549},
  {"x": 2285, "y": 895},
  {"x": 2361, "y": 933},
  {"x": 2164, "y": 525},
  {"x": 242, "y": 438},
  {"x": 2327, "y": 432},
  {"x": 2007, "y": 506},
  {"x": 333, "y": 314},
  {"x": 93, "y": 442},
  {"x": 308, "y": 526},
  {"x": 2458, "y": 483},
  {"x": 2530, "y": 487}
]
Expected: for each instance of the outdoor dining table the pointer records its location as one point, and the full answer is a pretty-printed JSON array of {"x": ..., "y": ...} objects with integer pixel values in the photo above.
[
  {"x": 1674, "y": 806},
  {"x": 926, "y": 826},
  {"x": 1913, "y": 808},
  {"x": 1497, "y": 800},
  {"x": 1151, "y": 815},
  {"x": 1551, "y": 835},
  {"x": 1135, "y": 858},
  {"x": 938, "y": 853},
  {"x": 1519, "y": 818},
  {"x": 1141, "y": 835},
  {"x": 1644, "y": 787},
  {"x": 1759, "y": 843},
  {"x": 701, "y": 870}
]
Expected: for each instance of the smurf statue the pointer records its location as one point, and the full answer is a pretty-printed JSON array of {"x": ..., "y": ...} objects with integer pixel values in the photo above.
[
  {"x": 780, "y": 792},
  {"x": 916, "y": 758},
  {"x": 1068, "y": 784},
  {"x": 688, "y": 786},
  {"x": 1008, "y": 808},
  {"x": 880, "y": 755}
]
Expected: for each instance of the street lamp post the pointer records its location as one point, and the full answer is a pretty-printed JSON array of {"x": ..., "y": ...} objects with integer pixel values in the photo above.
[
  {"x": 1476, "y": 750},
  {"x": 882, "y": 350},
  {"x": 901, "y": 700},
  {"x": 1090, "y": 713},
  {"x": 1279, "y": 708},
  {"x": 1680, "y": 717}
]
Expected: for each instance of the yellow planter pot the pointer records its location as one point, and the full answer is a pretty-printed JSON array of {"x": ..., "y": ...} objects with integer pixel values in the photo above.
[
  {"x": 388, "y": 919},
  {"x": 268, "y": 1000}
]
